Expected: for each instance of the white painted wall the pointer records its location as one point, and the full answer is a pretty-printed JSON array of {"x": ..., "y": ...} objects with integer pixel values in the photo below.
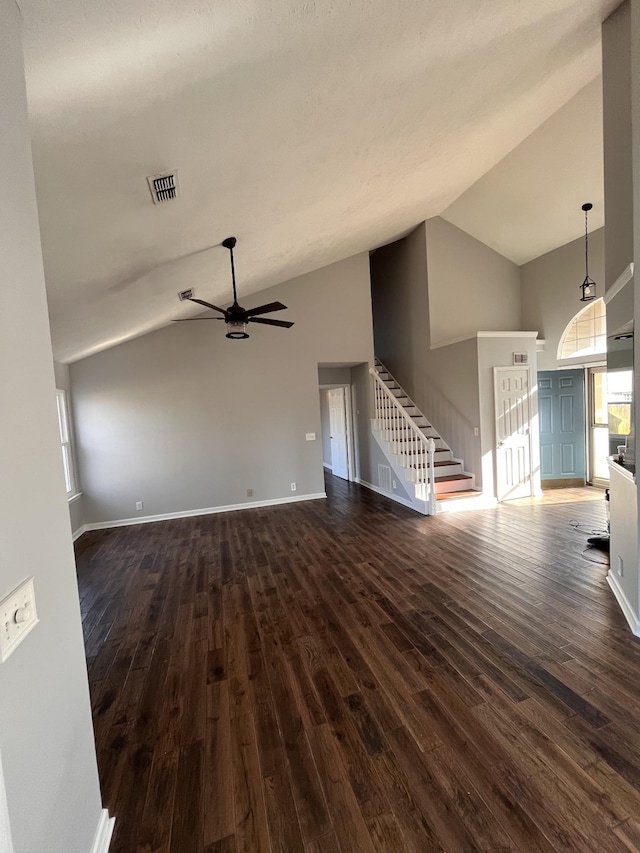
[
  {"x": 184, "y": 419},
  {"x": 623, "y": 506},
  {"x": 550, "y": 287},
  {"x": 46, "y": 736},
  {"x": 471, "y": 287}
]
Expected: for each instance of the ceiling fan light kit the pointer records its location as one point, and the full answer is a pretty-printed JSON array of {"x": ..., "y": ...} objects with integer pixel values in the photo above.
[{"x": 235, "y": 317}]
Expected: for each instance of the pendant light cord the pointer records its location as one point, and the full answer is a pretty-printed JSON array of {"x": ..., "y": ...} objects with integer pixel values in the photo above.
[
  {"x": 586, "y": 244},
  {"x": 233, "y": 278}
]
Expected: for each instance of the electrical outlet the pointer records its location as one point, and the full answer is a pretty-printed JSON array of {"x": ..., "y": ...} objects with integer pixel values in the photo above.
[
  {"x": 249, "y": 493},
  {"x": 18, "y": 617},
  {"x": 293, "y": 487},
  {"x": 476, "y": 431},
  {"x": 139, "y": 506},
  {"x": 620, "y": 566},
  {"x": 393, "y": 483}
]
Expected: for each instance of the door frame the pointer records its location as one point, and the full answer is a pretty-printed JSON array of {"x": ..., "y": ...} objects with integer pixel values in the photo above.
[
  {"x": 512, "y": 368},
  {"x": 348, "y": 420},
  {"x": 590, "y": 370}
]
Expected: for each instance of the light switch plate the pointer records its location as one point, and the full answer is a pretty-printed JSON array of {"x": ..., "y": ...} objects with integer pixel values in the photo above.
[
  {"x": 18, "y": 617},
  {"x": 311, "y": 436}
]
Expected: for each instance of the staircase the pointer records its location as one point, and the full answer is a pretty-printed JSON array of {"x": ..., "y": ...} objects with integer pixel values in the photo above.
[{"x": 403, "y": 434}]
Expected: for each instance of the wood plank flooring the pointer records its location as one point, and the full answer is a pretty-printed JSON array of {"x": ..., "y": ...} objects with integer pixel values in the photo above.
[{"x": 345, "y": 675}]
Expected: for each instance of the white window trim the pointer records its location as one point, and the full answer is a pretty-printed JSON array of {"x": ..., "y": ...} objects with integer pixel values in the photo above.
[
  {"x": 582, "y": 357},
  {"x": 66, "y": 444}
]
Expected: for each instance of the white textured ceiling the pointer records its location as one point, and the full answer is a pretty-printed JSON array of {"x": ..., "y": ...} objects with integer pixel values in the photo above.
[
  {"x": 309, "y": 130},
  {"x": 530, "y": 202}
]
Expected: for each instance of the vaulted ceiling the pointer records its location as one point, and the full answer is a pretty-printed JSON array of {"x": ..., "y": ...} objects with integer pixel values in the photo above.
[{"x": 311, "y": 131}]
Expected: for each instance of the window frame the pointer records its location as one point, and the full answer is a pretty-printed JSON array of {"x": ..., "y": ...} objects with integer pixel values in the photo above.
[
  {"x": 592, "y": 353},
  {"x": 66, "y": 442}
]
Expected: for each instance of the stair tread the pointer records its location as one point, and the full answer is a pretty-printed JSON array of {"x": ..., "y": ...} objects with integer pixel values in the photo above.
[
  {"x": 463, "y": 493},
  {"x": 450, "y": 477}
]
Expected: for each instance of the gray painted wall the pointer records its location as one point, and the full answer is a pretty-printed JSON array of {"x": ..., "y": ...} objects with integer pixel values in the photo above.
[
  {"x": 46, "y": 736},
  {"x": 633, "y": 575},
  {"x": 617, "y": 135},
  {"x": 334, "y": 375},
  {"x": 551, "y": 291},
  {"x": 471, "y": 287},
  {"x": 184, "y": 419},
  {"x": 6, "y": 842},
  {"x": 442, "y": 382}
]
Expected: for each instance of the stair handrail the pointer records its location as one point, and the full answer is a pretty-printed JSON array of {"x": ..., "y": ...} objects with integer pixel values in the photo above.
[{"x": 423, "y": 448}]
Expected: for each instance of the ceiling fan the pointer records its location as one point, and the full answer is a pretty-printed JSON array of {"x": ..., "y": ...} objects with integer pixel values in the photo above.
[{"x": 236, "y": 317}]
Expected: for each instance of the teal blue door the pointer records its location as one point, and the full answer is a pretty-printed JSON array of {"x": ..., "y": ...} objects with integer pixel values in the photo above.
[{"x": 561, "y": 411}]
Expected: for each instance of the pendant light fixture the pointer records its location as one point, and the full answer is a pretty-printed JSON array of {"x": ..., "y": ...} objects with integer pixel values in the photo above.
[{"x": 588, "y": 286}]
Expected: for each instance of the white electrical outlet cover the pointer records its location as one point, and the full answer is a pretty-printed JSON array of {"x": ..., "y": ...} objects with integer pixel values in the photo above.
[{"x": 18, "y": 617}]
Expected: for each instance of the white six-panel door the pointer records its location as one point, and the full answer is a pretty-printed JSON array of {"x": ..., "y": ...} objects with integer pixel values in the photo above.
[
  {"x": 514, "y": 477},
  {"x": 338, "y": 428}
]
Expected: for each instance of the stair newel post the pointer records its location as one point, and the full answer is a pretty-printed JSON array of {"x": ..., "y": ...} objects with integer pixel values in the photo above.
[{"x": 432, "y": 478}]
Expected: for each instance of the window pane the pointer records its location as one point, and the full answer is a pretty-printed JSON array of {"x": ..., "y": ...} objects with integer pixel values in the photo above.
[
  {"x": 600, "y": 398},
  {"x": 586, "y": 333},
  {"x": 62, "y": 415},
  {"x": 67, "y": 468}
]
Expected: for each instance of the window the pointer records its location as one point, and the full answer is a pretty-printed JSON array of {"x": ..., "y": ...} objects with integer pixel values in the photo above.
[
  {"x": 65, "y": 441},
  {"x": 586, "y": 334}
]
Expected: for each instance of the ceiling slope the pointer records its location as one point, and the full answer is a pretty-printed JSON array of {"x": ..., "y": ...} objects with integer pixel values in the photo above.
[
  {"x": 311, "y": 131},
  {"x": 530, "y": 202}
]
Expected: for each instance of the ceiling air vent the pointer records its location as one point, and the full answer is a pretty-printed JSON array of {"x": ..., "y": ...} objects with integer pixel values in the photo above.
[
  {"x": 164, "y": 187},
  {"x": 186, "y": 294}
]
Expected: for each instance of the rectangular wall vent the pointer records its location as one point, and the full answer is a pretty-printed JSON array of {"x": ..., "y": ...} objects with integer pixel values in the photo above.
[
  {"x": 521, "y": 358},
  {"x": 186, "y": 294},
  {"x": 384, "y": 478},
  {"x": 164, "y": 187}
]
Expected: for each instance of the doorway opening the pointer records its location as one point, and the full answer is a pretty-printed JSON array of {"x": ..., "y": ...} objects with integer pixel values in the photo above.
[{"x": 337, "y": 430}]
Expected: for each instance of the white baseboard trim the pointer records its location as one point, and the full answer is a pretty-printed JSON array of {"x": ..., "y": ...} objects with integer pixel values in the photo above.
[
  {"x": 390, "y": 495},
  {"x": 328, "y": 467},
  {"x": 78, "y": 533},
  {"x": 102, "y": 838},
  {"x": 189, "y": 513},
  {"x": 629, "y": 613}
]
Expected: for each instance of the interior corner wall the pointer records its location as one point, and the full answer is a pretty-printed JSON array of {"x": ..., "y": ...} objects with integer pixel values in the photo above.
[
  {"x": 634, "y": 287},
  {"x": 326, "y": 430},
  {"x": 184, "y": 419},
  {"x": 442, "y": 382},
  {"x": 617, "y": 137},
  {"x": 551, "y": 292},
  {"x": 471, "y": 287},
  {"x": 46, "y": 736}
]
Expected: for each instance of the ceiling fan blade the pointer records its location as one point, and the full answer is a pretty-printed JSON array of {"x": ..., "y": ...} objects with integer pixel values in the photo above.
[
  {"x": 284, "y": 323},
  {"x": 265, "y": 309},
  {"x": 206, "y": 304},
  {"x": 192, "y": 319}
]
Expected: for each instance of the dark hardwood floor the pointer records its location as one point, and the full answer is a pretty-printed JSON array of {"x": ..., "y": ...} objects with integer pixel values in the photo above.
[{"x": 345, "y": 675}]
